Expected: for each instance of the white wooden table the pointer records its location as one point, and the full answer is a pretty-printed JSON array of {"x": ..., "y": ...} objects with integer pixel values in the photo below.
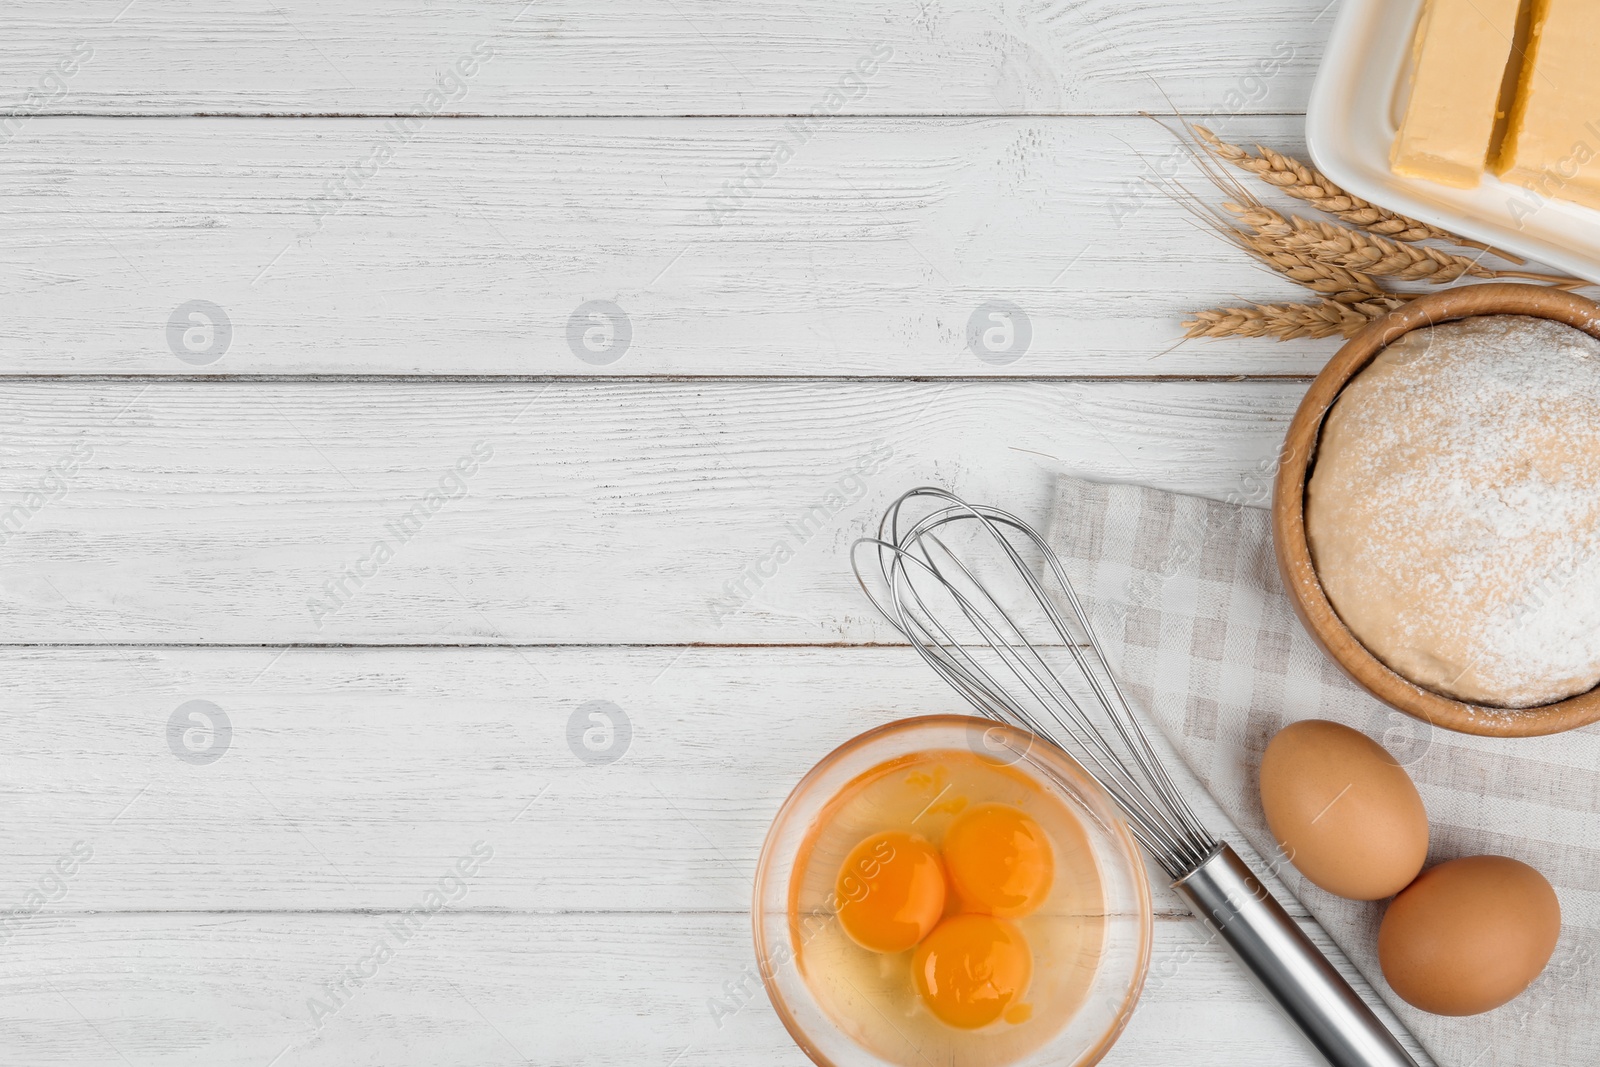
[{"x": 577, "y": 309}]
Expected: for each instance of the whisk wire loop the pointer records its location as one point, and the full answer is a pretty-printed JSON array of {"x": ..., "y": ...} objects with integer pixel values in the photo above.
[
  {"x": 1025, "y": 663},
  {"x": 952, "y": 660},
  {"x": 917, "y": 565}
]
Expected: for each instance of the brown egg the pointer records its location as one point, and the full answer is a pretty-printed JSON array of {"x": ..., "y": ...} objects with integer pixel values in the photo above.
[
  {"x": 1469, "y": 935},
  {"x": 1343, "y": 811}
]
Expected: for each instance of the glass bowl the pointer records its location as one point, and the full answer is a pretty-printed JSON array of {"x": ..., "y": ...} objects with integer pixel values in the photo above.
[{"x": 1118, "y": 966}]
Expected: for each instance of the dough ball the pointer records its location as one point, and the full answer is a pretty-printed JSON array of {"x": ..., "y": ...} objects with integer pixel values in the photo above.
[{"x": 1453, "y": 511}]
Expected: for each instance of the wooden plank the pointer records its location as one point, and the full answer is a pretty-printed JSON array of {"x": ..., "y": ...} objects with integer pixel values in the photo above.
[
  {"x": 568, "y": 512},
  {"x": 1035, "y": 247},
  {"x": 598, "y": 990},
  {"x": 659, "y": 57},
  {"x": 354, "y": 778}
]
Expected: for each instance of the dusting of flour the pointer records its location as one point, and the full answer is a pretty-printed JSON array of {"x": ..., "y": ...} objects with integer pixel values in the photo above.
[{"x": 1453, "y": 512}]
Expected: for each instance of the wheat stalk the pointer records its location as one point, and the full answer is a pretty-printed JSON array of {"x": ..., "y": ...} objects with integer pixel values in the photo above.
[
  {"x": 1369, "y": 254},
  {"x": 1328, "y": 280},
  {"x": 1260, "y": 219},
  {"x": 1262, "y": 236},
  {"x": 1304, "y": 182},
  {"x": 1287, "y": 322},
  {"x": 1332, "y": 244},
  {"x": 1340, "y": 264},
  {"x": 1379, "y": 256}
]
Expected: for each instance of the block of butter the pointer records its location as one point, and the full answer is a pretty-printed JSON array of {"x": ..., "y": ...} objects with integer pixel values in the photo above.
[
  {"x": 1459, "y": 61},
  {"x": 1553, "y": 137}
]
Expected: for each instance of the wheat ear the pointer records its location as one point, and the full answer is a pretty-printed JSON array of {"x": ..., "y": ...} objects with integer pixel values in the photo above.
[
  {"x": 1304, "y": 182},
  {"x": 1369, "y": 254},
  {"x": 1381, "y": 257},
  {"x": 1329, "y": 280},
  {"x": 1262, "y": 233},
  {"x": 1286, "y": 322}
]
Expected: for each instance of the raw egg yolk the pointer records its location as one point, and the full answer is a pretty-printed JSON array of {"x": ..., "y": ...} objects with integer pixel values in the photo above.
[
  {"x": 999, "y": 860},
  {"x": 891, "y": 891},
  {"x": 971, "y": 969}
]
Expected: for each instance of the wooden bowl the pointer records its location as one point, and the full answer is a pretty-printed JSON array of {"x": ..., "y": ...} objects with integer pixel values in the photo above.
[{"x": 1288, "y": 511}]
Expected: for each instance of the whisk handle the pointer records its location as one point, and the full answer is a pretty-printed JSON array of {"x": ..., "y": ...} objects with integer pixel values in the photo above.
[{"x": 1286, "y": 965}]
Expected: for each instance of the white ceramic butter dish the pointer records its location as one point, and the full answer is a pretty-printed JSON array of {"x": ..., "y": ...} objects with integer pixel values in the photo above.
[{"x": 1356, "y": 105}]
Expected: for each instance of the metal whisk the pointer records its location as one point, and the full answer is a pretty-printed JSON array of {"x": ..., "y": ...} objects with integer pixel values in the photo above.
[{"x": 991, "y": 625}]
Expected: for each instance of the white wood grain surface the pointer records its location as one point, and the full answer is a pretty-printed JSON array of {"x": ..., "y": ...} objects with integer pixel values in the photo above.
[
  {"x": 606, "y": 511},
  {"x": 440, "y": 749},
  {"x": 577, "y": 990},
  {"x": 243, "y": 887},
  {"x": 390, "y": 278},
  {"x": 472, "y": 246},
  {"x": 664, "y": 57}
]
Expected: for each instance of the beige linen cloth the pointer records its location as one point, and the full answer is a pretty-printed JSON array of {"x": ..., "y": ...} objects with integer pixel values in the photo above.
[{"x": 1185, "y": 596}]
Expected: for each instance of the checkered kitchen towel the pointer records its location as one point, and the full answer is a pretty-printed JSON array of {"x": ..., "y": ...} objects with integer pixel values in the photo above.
[{"x": 1185, "y": 597}]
